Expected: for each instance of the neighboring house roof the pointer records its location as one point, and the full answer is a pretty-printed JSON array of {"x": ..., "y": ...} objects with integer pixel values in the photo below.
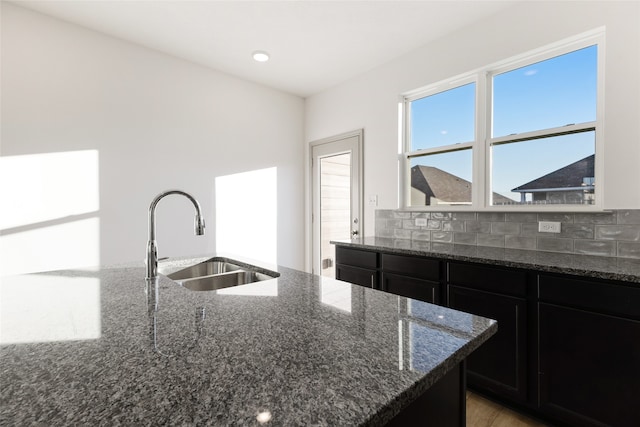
[
  {"x": 436, "y": 183},
  {"x": 567, "y": 178}
]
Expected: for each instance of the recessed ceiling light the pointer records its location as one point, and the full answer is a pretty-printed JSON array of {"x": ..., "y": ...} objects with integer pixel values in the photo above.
[{"x": 260, "y": 56}]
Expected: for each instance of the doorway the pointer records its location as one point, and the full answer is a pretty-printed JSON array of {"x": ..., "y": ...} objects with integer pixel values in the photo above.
[{"x": 336, "y": 165}]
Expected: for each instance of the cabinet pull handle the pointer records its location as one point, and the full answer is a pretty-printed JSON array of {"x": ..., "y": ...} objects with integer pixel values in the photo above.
[
  {"x": 371, "y": 280},
  {"x": 517, "y": 330}
]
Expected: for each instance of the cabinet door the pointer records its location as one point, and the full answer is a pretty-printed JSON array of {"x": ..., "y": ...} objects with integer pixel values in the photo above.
[
  {"x": 499, "y": 365},
  {"x": 589, "y": 367},
  {"x": 358, "y": 276},
  {"x": 423, "y": 290}
]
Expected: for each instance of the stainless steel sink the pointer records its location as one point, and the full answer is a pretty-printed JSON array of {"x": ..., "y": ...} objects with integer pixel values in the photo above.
[
  {"x": 206, "y": 268},
  {"x": 219, "y": 273},
  {"x": 224, "y": 280}
]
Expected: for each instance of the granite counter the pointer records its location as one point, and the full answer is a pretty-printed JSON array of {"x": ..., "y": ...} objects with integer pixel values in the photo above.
[
  {"x": 104, "y": 346},
  {"x": 607, "y": 268}
]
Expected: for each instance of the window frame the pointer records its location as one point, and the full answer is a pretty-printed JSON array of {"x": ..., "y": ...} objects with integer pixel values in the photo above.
[
  {"x": 467, "y": 145},
  {"x": 483, "y": 141}
]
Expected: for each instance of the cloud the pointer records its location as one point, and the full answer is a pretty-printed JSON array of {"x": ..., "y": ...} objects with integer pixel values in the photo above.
[{"x": 530, "y": 72}]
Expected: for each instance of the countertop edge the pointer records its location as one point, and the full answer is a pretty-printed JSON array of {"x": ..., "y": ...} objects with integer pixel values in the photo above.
[
  {"x": 397, "y": 405},
  {"x": 500, "y": 257}
]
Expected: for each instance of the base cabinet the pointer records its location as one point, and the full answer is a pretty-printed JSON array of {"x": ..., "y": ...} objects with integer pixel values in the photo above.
[
  {"x": 357, "y": 275},
  {"x": 411, "y": 277},
  {"x": 589, "y": 367},
  {"x": 499, "y": 365},
  {"x": 567, "y": 348},
  {"x": 589, "y": 347},
  {"x": 358, "y": 267},
  {"x": 407, "y": 276},
  {"x": 442, "y": 405},
  {"x": 410, "y": 287}
]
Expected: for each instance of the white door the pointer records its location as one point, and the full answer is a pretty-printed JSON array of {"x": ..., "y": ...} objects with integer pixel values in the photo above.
[{"x": 337, "y": 196}]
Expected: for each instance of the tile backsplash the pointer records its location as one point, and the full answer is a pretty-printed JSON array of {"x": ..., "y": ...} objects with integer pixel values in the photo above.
[{"x": 613, "y": 233}]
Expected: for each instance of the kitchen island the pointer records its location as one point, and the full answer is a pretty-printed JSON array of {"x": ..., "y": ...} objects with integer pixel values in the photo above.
[{"x": 104, "y": 346}]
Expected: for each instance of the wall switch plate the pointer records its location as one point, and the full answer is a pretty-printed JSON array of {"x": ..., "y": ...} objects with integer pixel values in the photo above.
[
  {"x": 549, "y": 227},
  {"x": 373, "y": 200},
  {"x": 421, "y": 222}
]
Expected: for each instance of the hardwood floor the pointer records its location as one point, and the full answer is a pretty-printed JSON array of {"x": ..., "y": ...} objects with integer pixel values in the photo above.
[{"x": 482, "y": 412}]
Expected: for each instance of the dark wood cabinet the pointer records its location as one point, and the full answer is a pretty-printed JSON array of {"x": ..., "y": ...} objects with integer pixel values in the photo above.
[
  {"x": 567, "y": 348},
  {"x": 500, "y": 364},
  {"x": 589, "y": 335},
  {"x": 412, "y": 266},
  {"x": 423, "y": 290},
  {"x": 407, "y": 276},
  {"x": 503, "y": 281},
  {"x": 357, "y": 257},
  {"x": 411, "y": 277},
  {"x": 357, "y": 266},
  {"x": 357, "y": 275}
]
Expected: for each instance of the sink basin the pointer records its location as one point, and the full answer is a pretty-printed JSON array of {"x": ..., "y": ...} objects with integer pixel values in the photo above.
[
  {"x": 219, "y": 273},
  {"x": 206, "y": 268},
  {"x": 223, "y": 280}
]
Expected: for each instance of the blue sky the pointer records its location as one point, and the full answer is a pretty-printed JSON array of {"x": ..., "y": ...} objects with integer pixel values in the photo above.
[{"x": 547, "y": 94}]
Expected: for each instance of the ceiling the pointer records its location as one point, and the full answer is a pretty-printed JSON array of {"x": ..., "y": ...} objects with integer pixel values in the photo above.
[{"x": 314, "y": 45}]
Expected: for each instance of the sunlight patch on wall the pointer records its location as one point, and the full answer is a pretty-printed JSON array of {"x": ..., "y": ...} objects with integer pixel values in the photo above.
[
  {"x": 49, "y": 217},
  {"x": 48, "y": 308},
  {"x": 247, "y": 214},
  {"x": 247, "y": 223},
  {"x": 68, "y": 245}
]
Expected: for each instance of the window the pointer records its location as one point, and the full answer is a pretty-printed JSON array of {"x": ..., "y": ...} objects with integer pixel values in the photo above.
[
  {"x": 441, "y": 144},
  {"x": 523, "y": 132}
]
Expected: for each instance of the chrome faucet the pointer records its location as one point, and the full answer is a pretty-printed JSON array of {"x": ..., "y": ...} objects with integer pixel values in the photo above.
[{"x": 152, "y": 248}]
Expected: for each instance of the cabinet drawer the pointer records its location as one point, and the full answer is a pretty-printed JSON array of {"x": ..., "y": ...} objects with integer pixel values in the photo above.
[
  {"x": 503, "y": 281},
  {"x": 358, "y": 276},
  {"x": 603, "y": 297},
  {"x": 409, "y": 287},
  {"x": 357, "y": 258},
  {"x": 422, "y": 268}
]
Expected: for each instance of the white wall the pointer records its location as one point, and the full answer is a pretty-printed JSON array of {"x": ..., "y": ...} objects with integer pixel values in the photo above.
[
  {"x": 153, "y": 122},
  {"x": 370, "y": 101}
]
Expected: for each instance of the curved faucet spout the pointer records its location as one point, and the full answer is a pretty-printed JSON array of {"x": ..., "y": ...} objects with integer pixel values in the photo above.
[{"x": 152, "y": 249}]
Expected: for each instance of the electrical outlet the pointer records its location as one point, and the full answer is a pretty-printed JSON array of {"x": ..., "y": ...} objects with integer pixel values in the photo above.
[
  {"x": 421, "y": 222},
  {"x": 373, "y": 200},
  {"x": 549, "y": 227}
]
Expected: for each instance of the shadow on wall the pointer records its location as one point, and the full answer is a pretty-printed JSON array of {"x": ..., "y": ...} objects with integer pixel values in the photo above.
[{"x": 49, "y": 218}]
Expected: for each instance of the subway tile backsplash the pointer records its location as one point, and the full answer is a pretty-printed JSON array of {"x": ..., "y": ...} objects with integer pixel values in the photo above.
[{"x": 614, "y": 233}]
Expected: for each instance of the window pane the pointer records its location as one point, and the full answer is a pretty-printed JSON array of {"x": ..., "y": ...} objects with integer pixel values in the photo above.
[
  {"x": 557, "y": 170},
  {"x": 444, "y": 118},
  {"x": 441, "y": 179},
  {"x": 547, "y": 94}
]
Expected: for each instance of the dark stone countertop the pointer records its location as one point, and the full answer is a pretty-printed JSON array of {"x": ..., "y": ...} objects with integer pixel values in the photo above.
[
  {"x": 89, "y": 347},
  {"x": 621, "y": 269}
]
